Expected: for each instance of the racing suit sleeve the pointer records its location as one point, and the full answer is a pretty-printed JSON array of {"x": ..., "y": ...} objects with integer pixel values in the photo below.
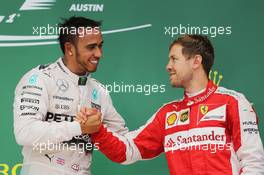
[
  {"x": 112, "y": 118},
  {"x": 30, "y": 107},
  {"x": 144, "y": 143},
  {"x": 245, "y": 137}
]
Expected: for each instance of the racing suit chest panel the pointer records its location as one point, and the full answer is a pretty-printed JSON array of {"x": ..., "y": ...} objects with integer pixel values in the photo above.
[
  {"x": 66, "y": 97},
  {"x": 63, "y": 99},
  {"x": 200, "y": 124},
  {"x": 206, "y": 114},
  {"x": 210, "y": 113}
]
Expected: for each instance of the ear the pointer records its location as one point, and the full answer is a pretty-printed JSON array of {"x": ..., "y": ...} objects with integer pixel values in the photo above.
[
  {"x": 69, "y": 49},
  {"x": 197, "y": 61}
]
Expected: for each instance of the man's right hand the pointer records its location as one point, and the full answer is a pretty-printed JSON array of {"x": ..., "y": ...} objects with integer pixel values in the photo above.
[{"x": 89, "y": 119}]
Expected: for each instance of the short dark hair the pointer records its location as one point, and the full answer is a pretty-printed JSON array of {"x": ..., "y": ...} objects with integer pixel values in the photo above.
[
  {"x": 197, "y": 44},
  {"x": 74, "y": 22}
]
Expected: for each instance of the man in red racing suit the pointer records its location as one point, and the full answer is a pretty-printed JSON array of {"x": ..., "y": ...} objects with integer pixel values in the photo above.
[
  {"x": 211, "y": 131},
  {"x": 214, "y": 132}
]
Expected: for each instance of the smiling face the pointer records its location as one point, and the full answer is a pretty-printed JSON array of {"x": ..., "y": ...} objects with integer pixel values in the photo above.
[
  {"x": 84, "y": 55},
  {"x": 179, "y": 67},
  {"x": 89, "y": 51}
]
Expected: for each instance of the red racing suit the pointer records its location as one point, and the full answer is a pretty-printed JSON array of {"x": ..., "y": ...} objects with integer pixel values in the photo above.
[{"x": 212, "y": 133}]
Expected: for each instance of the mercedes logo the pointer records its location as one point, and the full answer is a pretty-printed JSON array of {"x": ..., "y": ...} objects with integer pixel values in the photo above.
[{"x": 62, "y": 85}]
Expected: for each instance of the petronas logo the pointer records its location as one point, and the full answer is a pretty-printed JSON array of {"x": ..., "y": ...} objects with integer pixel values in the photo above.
[
  {"x": 82, "y": 81},
  {"x": 216, "y": 77}
]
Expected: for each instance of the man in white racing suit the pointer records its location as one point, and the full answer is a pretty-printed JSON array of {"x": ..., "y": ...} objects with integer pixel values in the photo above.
[{"x": 48, "y": 97}]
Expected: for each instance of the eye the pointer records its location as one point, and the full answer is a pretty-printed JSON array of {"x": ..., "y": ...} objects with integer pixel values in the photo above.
[
  {"x": 100, "y": 46},
  {"x": 91, "y": 46},
  {"x": 174, "y": 59},
  {"x": 94, "y": 46}
]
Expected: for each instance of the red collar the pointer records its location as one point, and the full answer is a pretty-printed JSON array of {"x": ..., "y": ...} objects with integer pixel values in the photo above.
[{"x": 210, "y": 89}]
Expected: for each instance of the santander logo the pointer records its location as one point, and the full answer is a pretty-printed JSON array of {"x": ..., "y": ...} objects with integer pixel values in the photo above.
[
  {"x": 212, "y": 136},
  {"x": 195, "y": 137}
]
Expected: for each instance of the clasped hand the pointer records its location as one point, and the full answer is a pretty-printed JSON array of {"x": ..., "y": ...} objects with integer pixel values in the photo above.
[{"x": 89, "y": 119}]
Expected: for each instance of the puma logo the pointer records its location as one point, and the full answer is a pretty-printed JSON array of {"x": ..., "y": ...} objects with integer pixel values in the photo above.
[{"x": 49, "y": 157}]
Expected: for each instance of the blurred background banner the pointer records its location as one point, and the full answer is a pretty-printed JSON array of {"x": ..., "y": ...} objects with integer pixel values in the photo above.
[{"x": 136, "y": 35}]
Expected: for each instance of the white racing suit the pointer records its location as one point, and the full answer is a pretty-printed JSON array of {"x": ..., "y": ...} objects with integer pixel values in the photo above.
[{"x": 47, "y": 99}]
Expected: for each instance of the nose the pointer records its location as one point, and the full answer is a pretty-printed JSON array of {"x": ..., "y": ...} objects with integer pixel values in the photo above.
[
  {"x": 98, "y": 52},
  {"x": 169, "y": 66}
]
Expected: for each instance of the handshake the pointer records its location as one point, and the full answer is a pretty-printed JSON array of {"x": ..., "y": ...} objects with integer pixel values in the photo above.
[{"x": 89, "y": 119}]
